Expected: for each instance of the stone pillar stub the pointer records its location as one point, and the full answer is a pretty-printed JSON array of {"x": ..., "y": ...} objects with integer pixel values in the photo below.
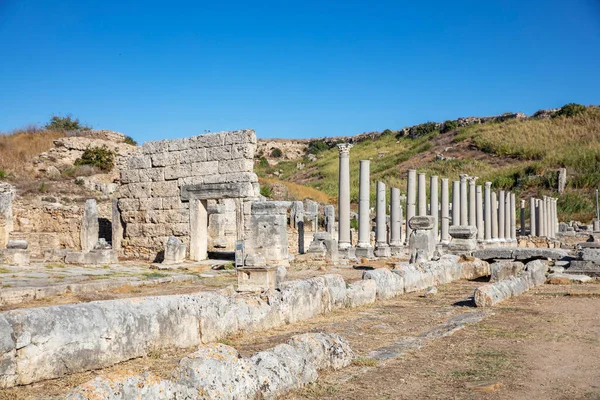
[
  {"x": 421, "y": 243},
  {"x": 411, "y": 198},
  {"x": 329, "y": 212},
  {"x": 90, "y": 227},
  {"x": 344, "y": 239},
  {"x": 117, "y": 226}
]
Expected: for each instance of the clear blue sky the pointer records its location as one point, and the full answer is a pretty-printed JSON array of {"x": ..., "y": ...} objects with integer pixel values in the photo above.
[{"x": 291, "y": 69}]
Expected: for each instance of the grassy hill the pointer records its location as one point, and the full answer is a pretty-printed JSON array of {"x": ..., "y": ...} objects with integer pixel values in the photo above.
[{"x": 518, "y": 155}]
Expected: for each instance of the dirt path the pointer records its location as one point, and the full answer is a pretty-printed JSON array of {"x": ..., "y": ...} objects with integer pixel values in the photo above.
[{"x": 541, "y": 345}]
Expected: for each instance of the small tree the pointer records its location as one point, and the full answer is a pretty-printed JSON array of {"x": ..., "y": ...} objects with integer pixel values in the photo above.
[
  {"x": 130, "y": 140},
  {"x": 276, "y": 153},
  {"x": 66, "y": 123},
  {"x": 570, "y": 110},
  {"x": 317, "y": 146},
  {"x": 99, "y": 157},
  {"x": 449, "y": 125}
]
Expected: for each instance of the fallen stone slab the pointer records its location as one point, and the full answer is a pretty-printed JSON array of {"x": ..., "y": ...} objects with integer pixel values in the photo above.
[
  {"x": 493, "y": 293},
  {"x": 580, "y": 267},
  {"x": 521, "y": 254},
  {"x": 387, "y": 283},
  {"x": 503, "y": 269},
  {"x": 361, "y": 293},
  {"x": 568, "y": 277},
  {"x": 216, "y": 371}
]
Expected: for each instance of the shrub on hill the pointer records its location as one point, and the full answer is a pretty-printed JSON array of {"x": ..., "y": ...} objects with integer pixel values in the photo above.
[
  {"x": 99, "y": 157},
  {"x": 276, "y": 153},
  {"x": 130, "y": 140},
  {"x": 449, "y": 125},
  {"x": 570, "y": 110},
  {"x": 423, "y": 129},
  {"x": 66, "y": 123},
  {"x": 317, "y": 146}
]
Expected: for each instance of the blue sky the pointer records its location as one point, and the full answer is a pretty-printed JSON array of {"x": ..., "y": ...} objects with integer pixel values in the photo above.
[{"x": 297, "y": 69}]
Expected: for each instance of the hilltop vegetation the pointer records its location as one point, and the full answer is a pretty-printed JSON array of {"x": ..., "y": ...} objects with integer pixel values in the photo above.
[{"x": 522, "y": 155}]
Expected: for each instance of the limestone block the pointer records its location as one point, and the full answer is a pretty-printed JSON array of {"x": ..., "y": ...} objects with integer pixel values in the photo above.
[
  {"x": 130, "y": 176},
  {"x": 135, "y": 190},
  {"x": 152, "y": 174},
  {"x": 234, "y": 177},
  {"x": 152, "y": 203},
  {"x": 129, "y": 205},
  {"x": 164, "y": 189},
  {"x": 247, "y": 136},
  {"x": 8, "y": 368},
  {"x": 590, "y": 254},
  {"x": 569, "y": 278},
  {"x": 178, "y": 144},
  {"x": 421, "y": 245},
  {"x": 89, "y": 225},
  {"x": 246, "y": 151},
  {"x": 174, "y": 251},
  {"x": 256, "y": 279},
  {"x": 361, "y": 293},
  {"x": 172, "y": 203},
  {"x": 17, "y": 244},
  {"x": 139, "y": 161},
  {"x": 424, "y": 222},
  {"x": 165, "y": 159},
  {"x": 234, "y": 166},
  {"x": 205, "y": 168},
  {"x": 474, "y": 269},
  {"x": 218, "y": 153},
  {"x": 19, "y": 257},
  {"x": 179, "y": 229},
  {"x": 177, "y": 171},
  {"x": 209, "y": 140},
  {"x": 157, "y": 146},
  {"x": 193, "y": 156},
  {"x": 388, "y": 284},
  {"x": 463, "y": 232},
  {"x": 503, "y": 269}
]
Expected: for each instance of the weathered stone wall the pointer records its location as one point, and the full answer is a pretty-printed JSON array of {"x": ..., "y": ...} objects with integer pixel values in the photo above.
[
  {"x": 7, "y": 194},
  {"x": 154, "y": 199}
]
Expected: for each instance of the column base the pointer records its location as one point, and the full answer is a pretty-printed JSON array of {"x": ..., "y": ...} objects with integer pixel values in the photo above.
[
  {"x": 364, "y": 252},
  {"x": 348, "y": 253},
  {"x": 344, "y": 245},
  {"x": 383, "y": 251},
  {"x": 397, "y": 251}
]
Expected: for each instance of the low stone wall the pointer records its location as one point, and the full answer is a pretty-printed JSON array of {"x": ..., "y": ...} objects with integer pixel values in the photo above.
[
  {"x": 491, "y": 294},
  {"x": 216, "y": 371},
  {"x": 414, "y": 277}
]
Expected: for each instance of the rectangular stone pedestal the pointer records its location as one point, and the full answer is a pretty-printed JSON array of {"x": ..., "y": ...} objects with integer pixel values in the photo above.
[
  {"x": 397, "y": 251},
  {"x": 347, "y": 254},
  {"x": 383, "y": 251},
  {"x": 256, "y": 279},
  {"x": 364, "y": 252},
  {"x": 18, "y": 257},
  {"x": 94, "y": 257}
]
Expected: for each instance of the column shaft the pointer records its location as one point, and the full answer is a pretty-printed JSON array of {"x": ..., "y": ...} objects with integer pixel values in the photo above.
[
  {"x": 513, "y": 216},
  {"x": 479, "y": 212},
  {"x": 395, "y": 221},
  {"x": 364, "y": 198},
  {"x": 411, "y": 197},
  {"x": 501, "y": 214},
  {"x": 455, "y": 203},
  {"x": 472, "y": 202},
  {"x": 494, "y": 216},
  {"x": 464, "y": 207},
  {"x": 434, "y": 204},
  {"x": 532, "y": 217},
  {"x": 488, "y": 210},
  {"x": 344, "y": 241},
  {"x": 381, "y": 237},
  {"x": 445, "y": 236},
  {"x": 421, "y": 196}
]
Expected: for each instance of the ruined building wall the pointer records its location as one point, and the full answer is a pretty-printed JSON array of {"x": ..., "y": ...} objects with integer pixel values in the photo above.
[{"x": 152, "y": 185}]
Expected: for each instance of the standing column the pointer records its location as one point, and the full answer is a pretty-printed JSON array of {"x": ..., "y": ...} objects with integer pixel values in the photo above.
[
  {"x": 445, "y": 236},
  {"x": 501, "y": 216},
  {"x": 479, "y": 214},
  {"x": 381, "y": 246},
  {"x": 507, "y": 216},
  {"x": 455, "y": 203},
  {"x": 472, "y": 202},
  {"x": 494, "y": 216},
  {"x": 411, "y": 197},
  {"x": 421, "y": 196},
  {"x": 554, "y": 224},
  {"x": 488, "y": 211},
  {"x": 522, "y": 217},
  {"x": 364, "y": 195},
  {"x": 513, "y": 217},
  {"x": 538, "y": 214},
  {"x": 434, "y": 204},
  {"x": 395, "y": 219},
  {"x": 344, "y": 241},
  {"x": 532, "y": 219},
  {"x": 464, "y": 216},
  {"x": 542, "y": 217}
]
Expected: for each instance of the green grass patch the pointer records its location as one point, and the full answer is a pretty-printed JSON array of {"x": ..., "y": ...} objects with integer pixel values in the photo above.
[{"x": 154, "y": 275}]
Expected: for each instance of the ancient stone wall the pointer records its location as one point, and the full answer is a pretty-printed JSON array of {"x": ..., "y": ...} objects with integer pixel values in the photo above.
[{"x": 172, "y": 180}]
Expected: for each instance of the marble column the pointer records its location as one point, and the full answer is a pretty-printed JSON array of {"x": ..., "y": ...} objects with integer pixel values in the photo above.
[
  {"x": 472, "y": 201},
  {"x": 479, "y": 212},
  {"x": 411, "y": 197},
  {"x": 542, "y": 217},
  {"x": 395, "y": 218},
  {"x": 464, "y": 206},
  {"x": 344, "y": 241},
  {"x": 455, "y": 203},
  {"x": 538, "y": 213},
  {"x": 501, "y": 216},
  {"x": 381, "y": 245},
  {"x": 554, "y": 224},
  {"x": 488, "y": 211},
  {"x": 364, "y": 195},
  {"x": 532, "y": 217},
  {"x": 513, "y": 217},
  {"x": 507, "y": 216},
  {"x": 434, "y": 205},
  {"x": 494, "y": 216},
  {"x": 522, "y": 217},
  {"x": 445, "y": 236},
  {"x": 421, "y": 196}
]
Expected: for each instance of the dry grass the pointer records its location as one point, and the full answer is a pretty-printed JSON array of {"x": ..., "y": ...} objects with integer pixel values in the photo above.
[
  {"x": 299, "y": 192},
  {"x": 19, "y": 148}
]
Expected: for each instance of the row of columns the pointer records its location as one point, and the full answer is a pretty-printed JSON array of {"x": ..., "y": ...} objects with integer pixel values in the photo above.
[{"x": 543, "y": 216}]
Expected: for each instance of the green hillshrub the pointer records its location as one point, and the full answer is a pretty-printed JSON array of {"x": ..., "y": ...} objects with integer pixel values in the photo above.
[
  {"x": 99, "y": 157},
  {"x": 66, "y": 123},
  {"x": 570, "y": 110}
]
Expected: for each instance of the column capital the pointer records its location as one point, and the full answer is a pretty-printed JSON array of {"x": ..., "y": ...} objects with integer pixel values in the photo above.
[
  {"x": 344, "y": 148},
  {"x": 472, "y": 179},
  {"x": 488, "y": 184},
  {"x": 463, "y": 177}
]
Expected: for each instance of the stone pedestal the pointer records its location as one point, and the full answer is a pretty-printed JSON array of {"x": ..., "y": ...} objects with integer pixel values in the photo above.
[
  {"x": 329, "y": 220},
  {"x": 174, "y": 251},
  {"x": 463, "y": 240},
  {"x": 344, "y": 240},
  {"x": 15, "y": 256},
  {"x": 421, "y": 243},
  {"x": 267, "y": 234},
  {"x": 256, "y": 279}
]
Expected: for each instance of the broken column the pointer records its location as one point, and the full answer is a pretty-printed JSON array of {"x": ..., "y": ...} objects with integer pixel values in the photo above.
[
  {"x": 422, "y": 196},
  {"x": 297, "y": 221},
  {"x": 344, "y": 241},
  {"x": 488, "y": 211},
  {"x": 522, "y": 217},
  {"x": 479, "y": 213},
  {"x": 445, "y": 237},
  {"x": 381, "y": 246},
  {"x": 421, "y": 244},
  {"x": 364, "y": 248},
  {"x": 464, "y": 206},
  {"x": 434, "y": 204},
  {"x": 312, "y": 212},
  {"x": 513, "y": 217},
  {"x": 501, "y": 215},
  {"x": 494, "y": 216},
  {"x": 411, "y": 197},
  {"x": 89, "y": 225},
  {"x": 174, "y": 251},
  {"x": 562, "y": 179},
  {"x": 7, "y": 194},
  {"x": 472, "y": 199},
  {"x": 395, "y": 222},
  {"x": 455, "y": 203},
  {"x": 329, "y": 212},
  {"x": 116, "y": 225},
  {"x": 532, "y": 217},
  {"x": 507, "y": 216}
]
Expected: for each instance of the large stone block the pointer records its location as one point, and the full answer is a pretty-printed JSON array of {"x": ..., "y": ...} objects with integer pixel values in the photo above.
[
  {"x": 463, "y": 232},
  {"x": 164, "y": 189},
  {"x": 174, "y": 251},
  {"x": 157, "y": 146},
  {"x": 139, "y": 161},
  {"x": 129, "y": 204},
  {"x": 193, "y": 156},
  {"x": 388, "y": 284},
  {"x": 218, "y": 153},
  {"x": 177, "y": 171},
  {"x": 165, "y": 159},
  {"x": 361, "y": 293},
  {"x": 424, "y": 222},
  {"x": 209, "y": 140},
  {"x": 233, "y": 166},
  {"x": 503, "y": 269},
  {"x": 205, "y": 168},
  {"x": 152, "y": 203},
  {"x": 243, "y": 151},
  {"x": 241, "y": 136},
  {"x": 130, "y": 176},
  {"x": 151, "y": 175}
]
